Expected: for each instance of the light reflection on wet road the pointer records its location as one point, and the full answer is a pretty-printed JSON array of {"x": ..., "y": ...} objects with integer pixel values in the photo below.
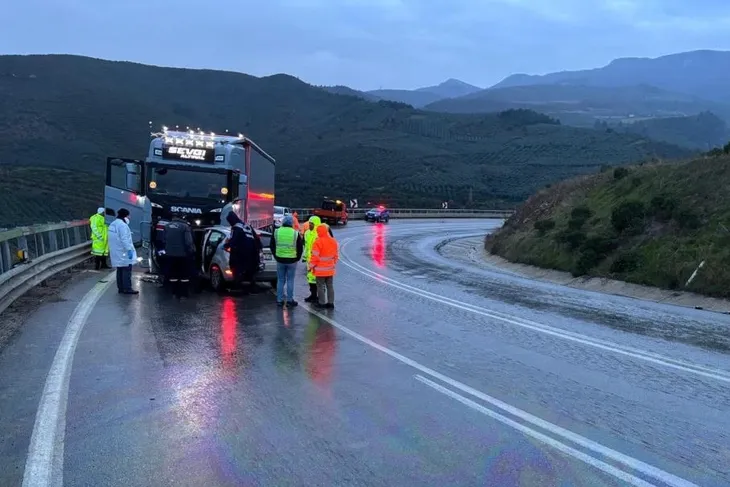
[{"x": 231, "y": 390}]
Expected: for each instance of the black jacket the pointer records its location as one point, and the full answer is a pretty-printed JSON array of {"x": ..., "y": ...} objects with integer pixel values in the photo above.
[
  {"x": 179, "y": 239},
  {"x": 300, "y": 250},
  {"x": 245, "y": 247}
]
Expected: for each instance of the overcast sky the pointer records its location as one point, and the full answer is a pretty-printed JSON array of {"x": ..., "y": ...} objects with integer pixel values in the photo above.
[{"x": 367, "y": 44}]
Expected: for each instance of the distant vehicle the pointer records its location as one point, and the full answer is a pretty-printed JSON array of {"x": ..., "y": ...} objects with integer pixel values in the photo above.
[
  {"x": 378, "y": 214},
  {"x": 214, "y": 259},
  {"x": 332, "y": 212},
  {"x": 279, "y": 213}
]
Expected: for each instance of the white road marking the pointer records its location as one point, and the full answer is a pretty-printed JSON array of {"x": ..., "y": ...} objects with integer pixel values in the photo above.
[
  {"x": 716, "y": 374},
  {"x": 605, "y": 467},
  {"x": 630, "y": 462},
  {"x": 44, "y": 465}
]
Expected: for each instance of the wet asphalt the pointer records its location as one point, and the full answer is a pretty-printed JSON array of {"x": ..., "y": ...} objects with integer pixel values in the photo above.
[{"x": 233, "y": 391}]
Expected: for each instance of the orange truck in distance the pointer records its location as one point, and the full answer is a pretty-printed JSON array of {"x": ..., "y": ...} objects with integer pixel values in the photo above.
[{"x": 332, "y": 212}]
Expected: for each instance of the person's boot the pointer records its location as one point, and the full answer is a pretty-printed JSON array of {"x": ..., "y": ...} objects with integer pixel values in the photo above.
[
  {"x": 175, "y": 287},
  {"x": 312, "y": 298}
]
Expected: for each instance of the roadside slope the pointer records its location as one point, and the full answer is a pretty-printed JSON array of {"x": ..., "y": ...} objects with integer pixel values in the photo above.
[{"x": 650, "y": 225}]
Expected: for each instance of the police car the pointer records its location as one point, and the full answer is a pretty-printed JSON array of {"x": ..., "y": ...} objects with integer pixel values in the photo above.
[{"x": 378, "y": 214}]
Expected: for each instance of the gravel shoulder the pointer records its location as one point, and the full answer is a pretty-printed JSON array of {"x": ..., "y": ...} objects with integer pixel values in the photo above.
[{"x": 472, "y": 250}]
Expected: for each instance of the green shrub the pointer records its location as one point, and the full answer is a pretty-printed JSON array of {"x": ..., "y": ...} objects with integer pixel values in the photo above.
[
  {"x": 620, "y": 173},
  {"x": 587, "y": 260},
  {"x": 578, "y": 217},
  {"x": 687, "y": 218},
  {"x": 544, "y": 226},
  {"x": 572, "y": 238},
  {"x": 628, "y": 217},
  {"x": 663, "y": 207},
  {"x": 581, "y": 213},
  {"x": 600, "y": 245},
  {"x": 625, "y": 263}
]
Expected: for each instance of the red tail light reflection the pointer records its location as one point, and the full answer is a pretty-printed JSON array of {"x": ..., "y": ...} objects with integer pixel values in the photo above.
[
  {"x": 229, "y": 322},
  {"x": 378, "y": 246}
]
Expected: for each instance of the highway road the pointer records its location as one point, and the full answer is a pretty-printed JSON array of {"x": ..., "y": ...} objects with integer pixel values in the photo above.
[{"x": 432, "y": 370}]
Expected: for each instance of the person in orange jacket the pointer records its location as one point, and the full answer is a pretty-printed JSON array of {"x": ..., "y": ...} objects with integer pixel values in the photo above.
[
  {"x": 304, "y": 227},
  {"x": 295, "y": 219},
  {"x": 325, "y": 254}
]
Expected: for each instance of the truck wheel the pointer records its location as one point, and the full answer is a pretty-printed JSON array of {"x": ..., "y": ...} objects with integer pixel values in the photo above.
[{"x": 217, "y": 282}]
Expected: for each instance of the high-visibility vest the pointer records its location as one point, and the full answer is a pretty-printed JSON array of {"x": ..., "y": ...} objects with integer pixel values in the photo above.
[
  {"x": 286, "y": 242},
  {"x": 324, "y": 257}
]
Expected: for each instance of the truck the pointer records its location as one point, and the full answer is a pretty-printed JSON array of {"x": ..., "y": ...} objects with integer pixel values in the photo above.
[
  {"x": 332, "y": 212},
  {"x": 197, "y": 176}
]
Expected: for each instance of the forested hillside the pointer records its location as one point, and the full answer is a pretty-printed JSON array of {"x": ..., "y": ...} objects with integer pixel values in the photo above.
[
  {"x": 653, "y": 224},
  {"x": 71, "y": 112}
]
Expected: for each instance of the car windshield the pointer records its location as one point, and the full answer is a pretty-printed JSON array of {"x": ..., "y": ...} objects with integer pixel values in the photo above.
[
  {"x": 181, "y": 183},
  {"x": 278, "y": 210}
]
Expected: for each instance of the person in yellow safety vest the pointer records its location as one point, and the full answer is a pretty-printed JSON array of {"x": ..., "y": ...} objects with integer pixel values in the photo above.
[
  {"x": 99, "y": 239},
  {"x": 309, "y": 237}
]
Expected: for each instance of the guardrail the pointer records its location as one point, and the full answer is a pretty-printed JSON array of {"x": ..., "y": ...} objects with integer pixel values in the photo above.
[
  {"x": 30, "y": 255},
  {"x": 359, "y": 213}
]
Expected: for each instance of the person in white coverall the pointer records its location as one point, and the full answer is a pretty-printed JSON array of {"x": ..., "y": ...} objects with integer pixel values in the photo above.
[{"x": 121, "y": 251}]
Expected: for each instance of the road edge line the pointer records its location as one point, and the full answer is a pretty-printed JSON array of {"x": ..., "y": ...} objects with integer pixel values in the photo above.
[
  {"x": 630, "y": 462},
  {"x": 44, "y": 463},
  {"x": 697, "y": 369},
  {"x": 547, "y": 440}
]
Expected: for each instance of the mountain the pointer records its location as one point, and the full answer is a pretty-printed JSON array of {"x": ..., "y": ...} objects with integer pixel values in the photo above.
[
  {"x": 451, "y": 88},
  {"x": 650, "y": 225},
  {"x": 583, "y": 105},
  {"x": 71, "y": 112},
  {"x": 414, "y": 98},
  {"x": 700, "y": 73},
  {"x": 421, "y": 97},
  {"x": 701, "y": 132},
  {"x": 346, "y": 90}
]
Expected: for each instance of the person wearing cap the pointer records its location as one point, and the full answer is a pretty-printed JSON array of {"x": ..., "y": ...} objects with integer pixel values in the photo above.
[
  {"x": 287, "y": 247},
  {"x": 99, "y": 239},
  {"x": 122, "y": 252}
]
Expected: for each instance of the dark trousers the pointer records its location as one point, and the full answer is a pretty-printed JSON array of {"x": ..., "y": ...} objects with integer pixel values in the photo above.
[
  {"x": 326, "y": 290},
  {"x": 100, "y": 262},
  {"x": 124, "y": 278},
  {"x": 179, "y": 271}
]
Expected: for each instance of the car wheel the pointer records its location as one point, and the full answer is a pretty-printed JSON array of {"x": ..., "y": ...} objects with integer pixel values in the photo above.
[{"x": 217, "y": 282}]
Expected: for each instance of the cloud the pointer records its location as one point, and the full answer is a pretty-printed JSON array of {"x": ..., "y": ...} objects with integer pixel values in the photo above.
[{"x": 369, "y": 43}]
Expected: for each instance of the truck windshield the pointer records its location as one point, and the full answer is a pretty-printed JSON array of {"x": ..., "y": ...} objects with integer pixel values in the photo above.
[
  {"x": 331, "y": 206},
  {"x": 180, "y": 183}
]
